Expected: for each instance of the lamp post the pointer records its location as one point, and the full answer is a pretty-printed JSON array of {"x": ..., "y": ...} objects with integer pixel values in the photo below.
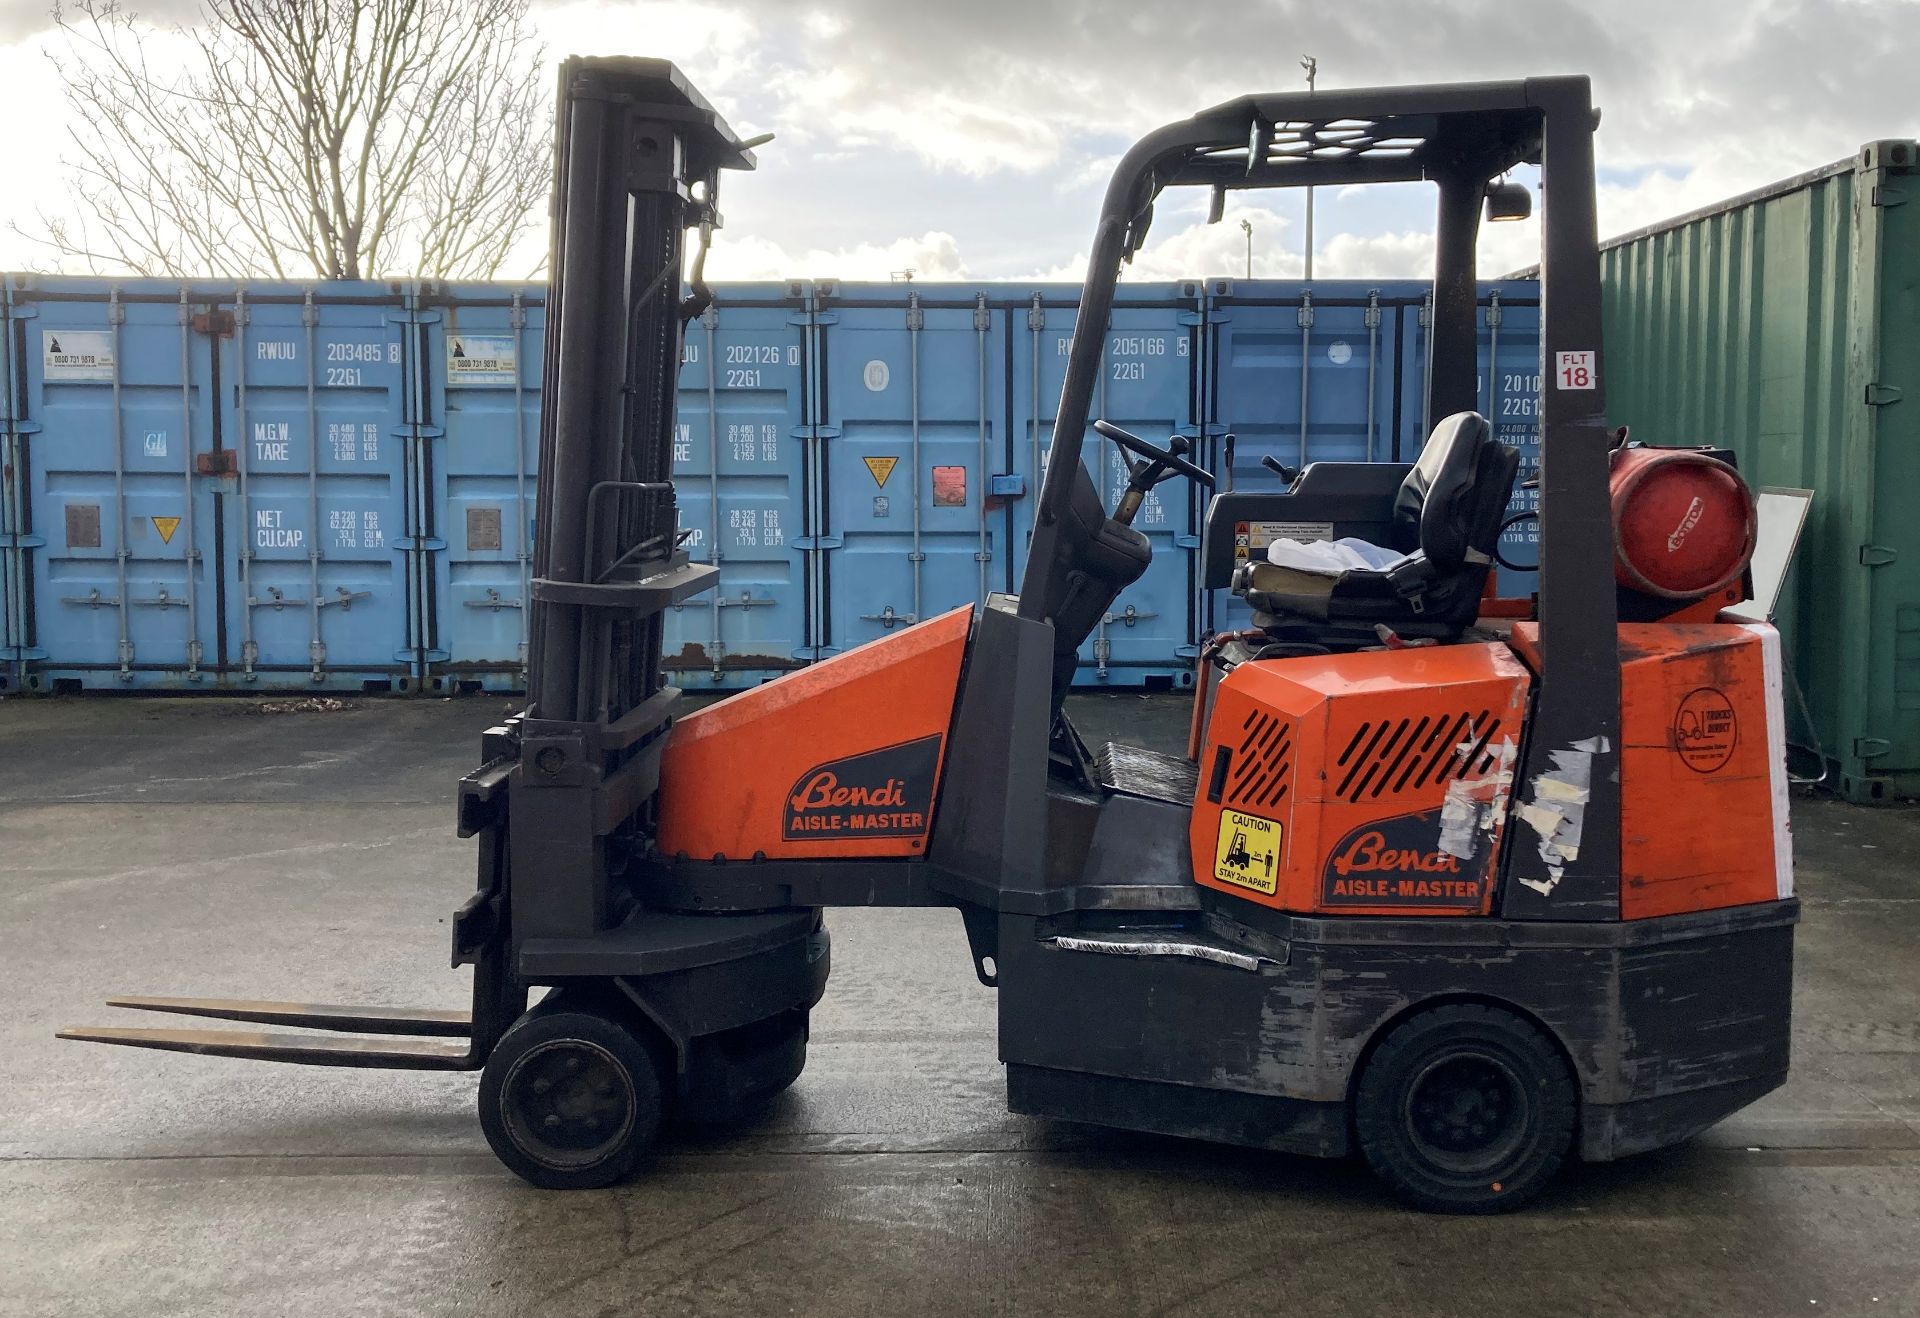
[{"x": 1312, "y": 66}]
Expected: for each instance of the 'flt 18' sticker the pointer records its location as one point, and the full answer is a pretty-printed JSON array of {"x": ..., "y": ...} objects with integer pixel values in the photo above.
[
  {"x": 883, "y": 793},
  {"x": 1398, "y": 862}
]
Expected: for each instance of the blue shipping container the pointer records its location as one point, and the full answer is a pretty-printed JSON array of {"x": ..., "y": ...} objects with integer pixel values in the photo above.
[{"x": 277, "y": 486}]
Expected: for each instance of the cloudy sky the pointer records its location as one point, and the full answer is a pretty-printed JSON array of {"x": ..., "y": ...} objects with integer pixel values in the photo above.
[{"x": 971, "y": 139}]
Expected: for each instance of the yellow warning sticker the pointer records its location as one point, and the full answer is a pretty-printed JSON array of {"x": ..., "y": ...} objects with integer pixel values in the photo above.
[
  {"x": 880, "y": 469},
  {"x": 1248, "y": 853},
  {"x": 166, "y": 526}
]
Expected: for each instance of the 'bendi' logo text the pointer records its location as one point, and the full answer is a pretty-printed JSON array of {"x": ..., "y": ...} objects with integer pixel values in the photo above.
[
  {"x": 882, "y": 793},
  {"x": 1398, "y": 862}
]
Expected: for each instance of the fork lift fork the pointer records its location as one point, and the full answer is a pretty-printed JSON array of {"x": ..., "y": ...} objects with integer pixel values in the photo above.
[{"x": 1500, "y": 914}]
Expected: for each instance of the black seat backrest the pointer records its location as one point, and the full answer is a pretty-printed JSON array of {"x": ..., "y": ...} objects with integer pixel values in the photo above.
[{"x": 1450, "y": 503}]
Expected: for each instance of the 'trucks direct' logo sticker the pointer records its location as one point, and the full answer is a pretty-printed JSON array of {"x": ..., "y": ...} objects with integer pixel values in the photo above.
[{"x": 1705, "y": 730}]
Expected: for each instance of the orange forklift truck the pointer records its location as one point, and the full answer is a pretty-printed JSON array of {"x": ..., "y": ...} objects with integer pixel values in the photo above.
[{"x": 1464, "y": 900}]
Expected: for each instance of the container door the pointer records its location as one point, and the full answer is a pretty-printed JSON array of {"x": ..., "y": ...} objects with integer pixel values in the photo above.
[
  {"x": 1510, "y": 398},
  {"x": 16, "y": 540},
  {"x": 912, "y": 428},
  {"x": 1299, "y": 374},
  {"x": 1148, "y": 384},
  {"x": 481, "y": 367},
  {"x": 739, "y": 470},
  {"x": 125, "y": 577},
  {"x": 324, "y": 542}
]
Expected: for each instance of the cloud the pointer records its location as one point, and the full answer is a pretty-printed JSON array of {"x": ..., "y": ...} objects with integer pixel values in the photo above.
[{"x": 930, "y": 256}]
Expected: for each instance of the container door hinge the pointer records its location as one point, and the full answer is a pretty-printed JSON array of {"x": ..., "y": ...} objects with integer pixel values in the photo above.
[
  {"x": 1877, "y": 555},
  {"x": 1879, "y": 395},
  {"x": 1867, "y": 748}
]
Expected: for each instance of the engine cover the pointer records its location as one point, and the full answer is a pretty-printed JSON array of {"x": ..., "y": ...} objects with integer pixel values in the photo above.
[{"x": 1369, "y": 783}]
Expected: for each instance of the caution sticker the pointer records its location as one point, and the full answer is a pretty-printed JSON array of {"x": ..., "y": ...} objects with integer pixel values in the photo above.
[
  {"x": 880, "y": 468},
  {"x": 166, "y": 526},
  {"x": 1248, "y": 852}
]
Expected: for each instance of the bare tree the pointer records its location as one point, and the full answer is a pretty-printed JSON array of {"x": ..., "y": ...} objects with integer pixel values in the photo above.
[{"x": 333, "y": 138}]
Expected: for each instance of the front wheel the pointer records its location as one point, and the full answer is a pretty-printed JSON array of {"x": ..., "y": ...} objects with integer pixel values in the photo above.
[
  {"x": 571, "y": 1100},
  {"x": 1466, "y": 1109}
]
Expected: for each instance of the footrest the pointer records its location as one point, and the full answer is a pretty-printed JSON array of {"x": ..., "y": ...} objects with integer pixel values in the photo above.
[
  {"x": 313, "y": 1015},
  {"x": 1159, "y": 943},
  {"x": 349, "y": 1050}
]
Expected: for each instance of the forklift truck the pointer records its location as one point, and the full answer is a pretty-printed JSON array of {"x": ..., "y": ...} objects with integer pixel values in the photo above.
[{"x": 1463, "y": 901}]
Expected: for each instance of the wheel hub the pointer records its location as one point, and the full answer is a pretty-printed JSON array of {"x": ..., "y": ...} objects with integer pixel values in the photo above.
[
  {"x": 1465, "y": 1109},
  {"x": 569, "y": 1101}
]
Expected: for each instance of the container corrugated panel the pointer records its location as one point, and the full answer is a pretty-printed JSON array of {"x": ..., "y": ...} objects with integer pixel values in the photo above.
[
  {"x": 483, "y": 346},
  {"x": 1336, "y": 372},
  {"x": 1150, "y": 385},
  {"x": 911, "y": 421},
  {"x": 1785, "y": 325},
  {"x": 739, "y": 468}
]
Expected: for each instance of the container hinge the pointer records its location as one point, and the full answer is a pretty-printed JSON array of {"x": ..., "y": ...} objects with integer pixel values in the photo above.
[
  {"x": 1879, "y": 395},
  {"x": 1373, "y": 308},
  {"x": 982, "y": 318},
  {"x": 1493, "y": 308},
  {"x": 1877, "y": 555},
  {"x": 1886, "y": 196},
  {"x": 1305, "y": 315},
  {"x": 1036, "y": 314},
  {"x": 916, "y": 314},
  {"x": 1867, "y": 748}
]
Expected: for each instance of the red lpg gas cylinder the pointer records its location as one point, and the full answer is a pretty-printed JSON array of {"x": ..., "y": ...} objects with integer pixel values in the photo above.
[{"x": 1683, "y": 523}]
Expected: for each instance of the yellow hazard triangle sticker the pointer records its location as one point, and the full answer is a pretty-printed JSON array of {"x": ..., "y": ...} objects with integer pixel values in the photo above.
[
  {"x": 880, "y": 468},
  {"x": 166, "y": 526}
]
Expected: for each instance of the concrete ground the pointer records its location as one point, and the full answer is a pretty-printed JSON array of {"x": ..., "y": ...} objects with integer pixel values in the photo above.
[{"x": 207, "y": 847}]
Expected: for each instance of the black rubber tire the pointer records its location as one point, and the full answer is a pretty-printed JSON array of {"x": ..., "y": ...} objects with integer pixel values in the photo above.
[
  {"x": 1466, "y": 1108},
  {"x": 559, "y": 1079}
]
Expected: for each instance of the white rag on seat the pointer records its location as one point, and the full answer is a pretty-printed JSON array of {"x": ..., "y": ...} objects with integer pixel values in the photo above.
[{"x": 1329, "y": 558}]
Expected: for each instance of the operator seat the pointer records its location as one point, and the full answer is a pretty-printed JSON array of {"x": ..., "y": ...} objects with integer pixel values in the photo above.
[{"x": 1444, "y": 520}]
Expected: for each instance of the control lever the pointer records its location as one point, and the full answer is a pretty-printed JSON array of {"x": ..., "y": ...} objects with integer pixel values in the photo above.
[{"x": 1278, "y": 468}]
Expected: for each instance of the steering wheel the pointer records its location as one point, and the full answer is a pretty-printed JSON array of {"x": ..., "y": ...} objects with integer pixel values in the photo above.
[{"x": 1162, "y": 458}]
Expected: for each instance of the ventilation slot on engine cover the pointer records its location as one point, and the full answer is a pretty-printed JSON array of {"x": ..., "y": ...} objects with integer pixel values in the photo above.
[
  {"x": 1383, "y": 758},
  {"x": 1262, "y": 764}
]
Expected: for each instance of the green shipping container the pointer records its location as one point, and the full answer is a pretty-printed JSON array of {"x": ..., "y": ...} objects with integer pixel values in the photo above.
[{"x": 1785, "y": 325}]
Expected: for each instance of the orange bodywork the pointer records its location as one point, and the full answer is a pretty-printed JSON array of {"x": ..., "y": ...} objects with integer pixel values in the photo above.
[
  {"x": 839, "y": 759},
  {"x": 1356, "y": 784},
  {"x": 1703, "y": 798}
]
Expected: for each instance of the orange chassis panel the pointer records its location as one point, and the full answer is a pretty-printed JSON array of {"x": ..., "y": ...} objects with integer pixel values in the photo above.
[
  {"x": 841, "y": 758},
  {"x": 1703, "y": 807},
  {"x": 1374, "y": 783}
]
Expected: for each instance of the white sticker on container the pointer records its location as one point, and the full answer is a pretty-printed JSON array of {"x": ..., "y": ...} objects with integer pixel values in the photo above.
[
  {"x": 1575, "y": 370},
  {"x": 876, "y": 375},
  {"x": 1339, "y": 352},
  {"x": 482, "y": 359},
  {"x": 77, "y": 354}
]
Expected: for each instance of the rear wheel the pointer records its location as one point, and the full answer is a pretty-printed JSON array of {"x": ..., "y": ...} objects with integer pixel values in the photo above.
[
  {"x": 1466, "y": 1109},
  {"x": 571, "y": 1099}
]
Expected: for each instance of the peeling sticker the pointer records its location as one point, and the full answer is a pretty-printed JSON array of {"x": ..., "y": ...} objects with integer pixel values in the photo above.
[
  {"x": 1559, "y": 807},
  {"x": 1476, "y": 806}
]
